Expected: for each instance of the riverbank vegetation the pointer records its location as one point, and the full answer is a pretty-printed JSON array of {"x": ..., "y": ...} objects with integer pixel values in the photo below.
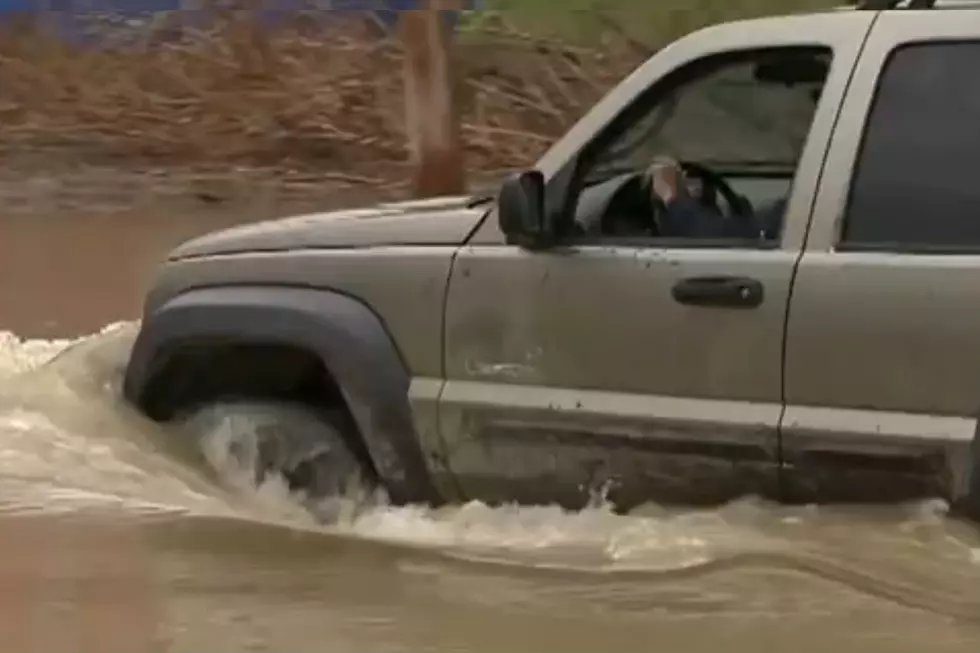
[{"x": 323, "y": 93}]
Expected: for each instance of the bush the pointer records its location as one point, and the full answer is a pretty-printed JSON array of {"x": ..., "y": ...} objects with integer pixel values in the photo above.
[
  {"x": 319, "y": 91},
  {"x": 322, "y": 95}
]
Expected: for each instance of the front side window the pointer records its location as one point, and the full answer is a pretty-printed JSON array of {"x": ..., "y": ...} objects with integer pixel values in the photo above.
[
  {"x": 711, "y": 156},
  {"x": 916, "y": 183}
]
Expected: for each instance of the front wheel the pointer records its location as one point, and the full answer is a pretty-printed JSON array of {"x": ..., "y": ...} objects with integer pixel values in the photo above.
[{"x": 304, "y": 446}]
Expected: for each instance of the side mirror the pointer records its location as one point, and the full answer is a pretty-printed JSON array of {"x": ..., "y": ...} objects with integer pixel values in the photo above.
[{"x": 520, "y": 207}]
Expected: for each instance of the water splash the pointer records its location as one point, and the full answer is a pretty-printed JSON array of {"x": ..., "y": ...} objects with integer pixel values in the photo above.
[{"x": 68, "y": 442}]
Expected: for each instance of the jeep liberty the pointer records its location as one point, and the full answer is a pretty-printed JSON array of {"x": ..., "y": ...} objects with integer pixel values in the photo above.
[{"x": 566, "y": 338}]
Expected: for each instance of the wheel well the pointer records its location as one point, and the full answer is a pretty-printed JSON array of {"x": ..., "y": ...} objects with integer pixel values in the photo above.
[{"x": 198, "y": 373}]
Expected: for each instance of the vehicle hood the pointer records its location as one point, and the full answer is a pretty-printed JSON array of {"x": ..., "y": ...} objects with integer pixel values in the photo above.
[{"x": 437, "y": 221}]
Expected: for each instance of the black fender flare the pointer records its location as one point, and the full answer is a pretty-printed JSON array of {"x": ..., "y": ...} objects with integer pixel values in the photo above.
[{"x": 347, "y": 336}]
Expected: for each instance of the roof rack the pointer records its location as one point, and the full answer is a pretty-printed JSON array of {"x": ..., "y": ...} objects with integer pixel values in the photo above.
[{"x": 882, "y": 5}]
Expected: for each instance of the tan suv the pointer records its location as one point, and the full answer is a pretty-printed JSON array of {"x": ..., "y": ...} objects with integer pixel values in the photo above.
[{"x": 802, "y": 323}]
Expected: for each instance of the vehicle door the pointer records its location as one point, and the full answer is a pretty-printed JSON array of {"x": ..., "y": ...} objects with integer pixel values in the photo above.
[
  {"x": 883, "y": 354},
  {"x": 632, "y": 368}
]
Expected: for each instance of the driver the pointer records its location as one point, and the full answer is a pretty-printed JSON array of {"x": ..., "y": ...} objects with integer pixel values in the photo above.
[{"x": 683, "y": 216}]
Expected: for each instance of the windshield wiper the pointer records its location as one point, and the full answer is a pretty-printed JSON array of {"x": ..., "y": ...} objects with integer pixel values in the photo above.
[{"x": 480, "y": 199}]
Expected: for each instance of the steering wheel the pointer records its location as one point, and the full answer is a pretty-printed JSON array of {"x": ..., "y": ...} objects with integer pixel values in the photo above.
[
  {"x": 713, "y": 185},
  {"x": 634, "y": 209}
]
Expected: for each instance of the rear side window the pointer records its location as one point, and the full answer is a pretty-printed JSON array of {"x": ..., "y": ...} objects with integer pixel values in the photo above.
[{"x": 916, "y": 183}]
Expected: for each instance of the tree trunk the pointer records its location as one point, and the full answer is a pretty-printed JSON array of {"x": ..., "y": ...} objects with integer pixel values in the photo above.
[{"x": 431, "y": 112}]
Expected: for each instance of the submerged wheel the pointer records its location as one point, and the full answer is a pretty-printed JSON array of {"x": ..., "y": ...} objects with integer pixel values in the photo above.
[{"x": 305, "y": 446}]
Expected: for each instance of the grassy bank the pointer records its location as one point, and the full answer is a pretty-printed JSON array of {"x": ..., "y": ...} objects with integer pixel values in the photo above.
[{"x": 326, "y": 96}]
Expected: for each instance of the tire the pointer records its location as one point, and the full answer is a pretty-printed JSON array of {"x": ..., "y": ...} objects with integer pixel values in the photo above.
[{"x": 304, "y": 446}]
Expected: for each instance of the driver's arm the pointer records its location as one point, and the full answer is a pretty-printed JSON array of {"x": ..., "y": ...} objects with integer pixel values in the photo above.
[{"x": 684, "y": 216}]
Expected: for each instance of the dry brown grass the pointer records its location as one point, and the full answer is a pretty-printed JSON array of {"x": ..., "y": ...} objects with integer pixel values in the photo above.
[{"x": 310, "y": 95}]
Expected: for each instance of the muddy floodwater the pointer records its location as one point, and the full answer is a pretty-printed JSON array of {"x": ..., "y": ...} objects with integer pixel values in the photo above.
[{"x": 118, "y": 536}]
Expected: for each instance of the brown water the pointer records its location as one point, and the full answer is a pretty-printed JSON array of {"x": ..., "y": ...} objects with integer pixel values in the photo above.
[{"x": 117, "y": 536}]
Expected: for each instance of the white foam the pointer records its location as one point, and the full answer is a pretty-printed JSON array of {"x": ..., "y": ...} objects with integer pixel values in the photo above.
[{"x": 19, "y": 355}]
